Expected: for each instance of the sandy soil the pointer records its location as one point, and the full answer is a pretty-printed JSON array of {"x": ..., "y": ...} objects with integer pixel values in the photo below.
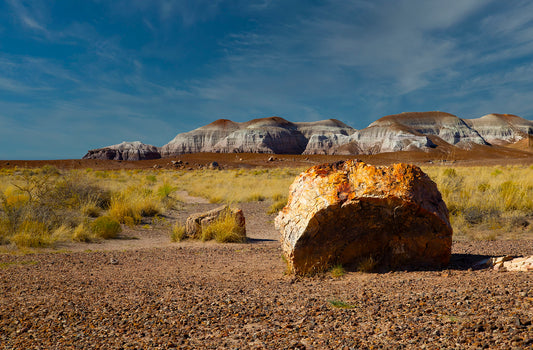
[
  {"x": 149, "y": 293},
  {"x": 144, "y": 292}
]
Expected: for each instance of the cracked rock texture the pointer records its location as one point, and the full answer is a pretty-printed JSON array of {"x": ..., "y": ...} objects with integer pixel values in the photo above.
[{"x": 350, "y": 212}]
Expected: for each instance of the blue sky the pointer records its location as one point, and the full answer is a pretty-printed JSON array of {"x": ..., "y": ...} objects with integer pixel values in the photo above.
[{"x": 76, "y": 75}]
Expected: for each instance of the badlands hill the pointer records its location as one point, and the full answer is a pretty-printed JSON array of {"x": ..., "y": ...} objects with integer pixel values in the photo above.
[
  {"x": 415, "y": 131},
  {"x": 125, "y": 151}
]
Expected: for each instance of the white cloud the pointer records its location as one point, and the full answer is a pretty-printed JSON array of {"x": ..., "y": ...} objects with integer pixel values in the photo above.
[{"x": 31, "y": 15}]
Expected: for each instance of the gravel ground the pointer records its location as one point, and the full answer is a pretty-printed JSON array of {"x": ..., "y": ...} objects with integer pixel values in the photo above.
[{"x": 147, "y": 293}]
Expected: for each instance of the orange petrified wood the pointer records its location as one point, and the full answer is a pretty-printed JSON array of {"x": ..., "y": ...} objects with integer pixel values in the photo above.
[{"x": 350, "y": 211}]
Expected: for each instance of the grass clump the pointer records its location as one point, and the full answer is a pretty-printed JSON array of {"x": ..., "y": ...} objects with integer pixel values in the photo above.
[
  {"x": 131, "y": 205},
  {"x": 32, "y": 234},
  {"x": 337, "y": 271},
  {"x": 367, "y": 264},
  {"x": 178, "y": 233},
  {"x": 341, "y": 304},
  {"x": 225, "y": 229},
  {"x": 82, "y": 233},
  {"x": 105, "y": 227}
]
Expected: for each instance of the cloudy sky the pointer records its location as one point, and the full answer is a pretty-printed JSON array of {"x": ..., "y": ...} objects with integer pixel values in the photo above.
[{"x": 76, "y": 75}]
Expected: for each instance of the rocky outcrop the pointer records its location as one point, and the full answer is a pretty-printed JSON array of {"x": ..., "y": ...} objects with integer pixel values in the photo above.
[
  {"x": 351, "y": 212},
  {"x": 327, "y": 144},
  {"x": 501, "y": 129},
  {"x": 415, "y": 131},
  {"x": 266, "y": 135},
  {"x": 447, "y": 126},
  {"x": 125, "y": 151},
  {"x": 390, "y": 137},
  {"x": 202, "y": 139}
]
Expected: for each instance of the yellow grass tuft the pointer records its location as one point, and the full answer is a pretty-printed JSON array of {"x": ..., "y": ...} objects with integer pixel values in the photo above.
[
  {"x": 106, "y": 227},
  {"x": 226, "y": 229},
  {"x": 32, "y": 234},
  {"x": 178, "y": 232}
]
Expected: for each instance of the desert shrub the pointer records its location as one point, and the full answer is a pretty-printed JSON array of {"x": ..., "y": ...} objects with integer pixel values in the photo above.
[
  {"x": 511, "y": 195},
  {"x": 91, "y": 210},
  {"x": 476, "y": 215},
  {"x": 337, "y": 271},
  {"x": 32, "y": 234},
  {"x": 123, "y": 210},
  {"x": 178, "y": 232},
  {"x": 225, "y": 229},
  {"x": 165, "y": 190},
  {"x": 106, "y": 227},
  {"x": 82, "y": 233},
  {"x": 450, "y": 172},
  {"x": 519, "y": 222},
  {"x": 130, "y": 205},
  {"x": 50, "y": 170}
]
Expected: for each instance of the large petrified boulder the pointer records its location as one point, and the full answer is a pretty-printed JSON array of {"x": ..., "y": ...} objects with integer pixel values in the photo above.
[{"x": 351, "y": 212}]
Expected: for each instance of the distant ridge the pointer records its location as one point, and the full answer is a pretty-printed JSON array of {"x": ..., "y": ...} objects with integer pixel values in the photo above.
[{"x": 411, "y": 131}]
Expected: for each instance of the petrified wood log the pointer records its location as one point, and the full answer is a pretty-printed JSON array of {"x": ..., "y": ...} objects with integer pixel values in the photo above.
[{"x": 349, "y": 212}]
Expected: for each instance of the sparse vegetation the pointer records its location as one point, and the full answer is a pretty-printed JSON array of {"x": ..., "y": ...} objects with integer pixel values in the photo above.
[
  {"x": 41, "y": 206},
  {"x": 280, "y": 202},
  {"x": 225, "y": 229},
  {"x": 484, "y": 202},
  {"x": 106, "y": 227},
  {"x": 367, "y": 264},
  {"x": 337, "y": 271},
  {"x": 178, "y": 232},
  {"x": 341, "y": 304}
]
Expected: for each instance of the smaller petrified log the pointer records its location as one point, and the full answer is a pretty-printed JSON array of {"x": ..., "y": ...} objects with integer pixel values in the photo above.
[
  {"x": 195, "y": 222},
  {"x": 509, "y": 263},
  {"x": 349, "y": 212}
]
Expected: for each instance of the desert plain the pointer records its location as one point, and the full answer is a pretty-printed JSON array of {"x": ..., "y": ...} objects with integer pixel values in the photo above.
[{"x": 141, "y": 290}]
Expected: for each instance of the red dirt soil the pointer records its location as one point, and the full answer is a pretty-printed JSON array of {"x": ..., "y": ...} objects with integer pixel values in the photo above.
[{"x": 479, "y": 155}]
